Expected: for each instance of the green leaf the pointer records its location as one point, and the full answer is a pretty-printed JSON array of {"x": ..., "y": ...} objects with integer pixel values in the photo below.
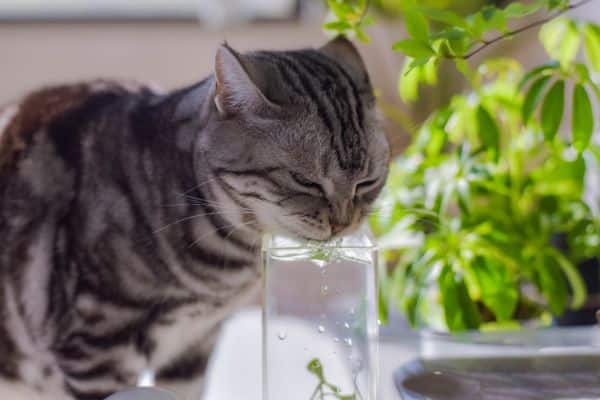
[
  {"x": 591, "y": 42},
  {"x": 338, "y": 26},
  {"x": 408, "y": 82},
  {"x": 494, "y": 18},
  {"x": 518, "y": 9},
  {"x": 552, "y": 284},
  {"x": 538, "y": 71},
  {"x": 557, "y": 4},
  {"x": 383, "y": 296},
  {"x": 444, "y": 16},
  {"x": 340, "y": 9},
  {"x": 578, "y": 288},
  {"x": 361, "y": 35},
  {"x": 583, "y": 118},
  {"x": 499, "y": 292},
  {"x": 416, "y": 25},
  {"x": 561, "y": 39},
  {"x": 450, "y": 34},
  {"x": 533, "y": 97},
  {"x": 488, "y": 129},
  {"x": 460, "y": 312},
  {"x": 409, "y": 306},
  {"x": 552, "y": 109},
  {"x": 316, "y": 368},
  {"x": 414, "y": 48}
]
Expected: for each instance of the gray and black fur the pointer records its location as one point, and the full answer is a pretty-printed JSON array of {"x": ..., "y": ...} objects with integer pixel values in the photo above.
[{"x": 130, "y": 220}]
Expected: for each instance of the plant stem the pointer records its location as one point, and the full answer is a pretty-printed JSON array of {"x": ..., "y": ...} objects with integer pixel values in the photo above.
[{"x": 508, "y": 34}]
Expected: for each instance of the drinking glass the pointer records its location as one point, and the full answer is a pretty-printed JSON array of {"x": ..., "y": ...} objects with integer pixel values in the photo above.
[{"x": 320, "y": 322}]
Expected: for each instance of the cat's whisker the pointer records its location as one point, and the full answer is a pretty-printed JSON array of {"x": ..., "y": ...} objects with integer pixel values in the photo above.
[
  {"x": 214, "y": 204},
  {"x": 198, "y": 186},
  {"x": 186, "y": 219},
  {"x": 234, "y": 227},
  {"x": 232, "y": 209}
]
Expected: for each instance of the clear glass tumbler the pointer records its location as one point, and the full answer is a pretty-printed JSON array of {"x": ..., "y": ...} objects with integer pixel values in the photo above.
[{"x": 320, "y": 318}]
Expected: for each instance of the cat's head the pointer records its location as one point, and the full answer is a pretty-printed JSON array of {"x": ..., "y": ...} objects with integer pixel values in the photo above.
[{"x": 295, "y": 138}]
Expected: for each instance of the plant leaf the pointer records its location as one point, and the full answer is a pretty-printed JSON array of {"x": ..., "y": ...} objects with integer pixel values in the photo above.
[
  {"x": 591, "y": 42},
  {"x": 338, "y": 26},
  {"x": 408, "y": 82},
  {"x": 414, "y": 48},
  {"x": 518, "y": 9},
  {"x": 316, "y": 368},
  {"x": 499, "y": 292},
  {"x": 488, "y": 129},
  {"x": 361, "y": 35},
  {"x": 460, "y": 312},
  {"x": 416, "y": 25},
  {"x": 553, "y": 65},
  {"x": 561, "y": 39},
  {"x": 552, "y": 109},
  {"x": 444, "y": 16},
  {"x": 578, "y": 289},
  {"x": 583, "y": 118},
  {"x": 533, "y": 97},
  {"x": 552, "y": 284}
]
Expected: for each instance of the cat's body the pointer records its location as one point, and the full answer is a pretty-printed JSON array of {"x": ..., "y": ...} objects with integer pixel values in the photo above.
[{"x": 131, "y": 220}]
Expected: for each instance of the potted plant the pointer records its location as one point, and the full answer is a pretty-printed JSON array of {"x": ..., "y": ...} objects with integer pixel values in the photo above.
[{"x": 473, "y": 208}]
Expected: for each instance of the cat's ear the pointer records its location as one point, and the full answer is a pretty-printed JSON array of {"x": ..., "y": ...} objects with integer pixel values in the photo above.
[
  {"x": 343, "y": 51},
  {"x": 238, "y": 83}
]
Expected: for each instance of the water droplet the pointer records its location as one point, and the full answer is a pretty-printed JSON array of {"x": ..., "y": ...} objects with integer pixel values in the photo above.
[
  {"x": 379, "y": 322},
  {"x": 321, "y": 328},
  {"x": 348, "y": 341},
  {"x": 346, "y": 325},
  {"x": 324, "y": 289},
  {"x": 352, "y": 311},
  {"x": 282, "y": 335},
  {"x": 337, "y": 340}
]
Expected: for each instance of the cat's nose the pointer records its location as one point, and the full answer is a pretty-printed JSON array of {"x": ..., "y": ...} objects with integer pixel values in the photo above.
[
  {"x": 340, "y": 216},
  {"x": 337, "y": 228}
]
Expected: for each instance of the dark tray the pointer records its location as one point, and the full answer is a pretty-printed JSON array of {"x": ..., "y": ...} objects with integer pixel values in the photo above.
[{"x": 503, "y": 378}]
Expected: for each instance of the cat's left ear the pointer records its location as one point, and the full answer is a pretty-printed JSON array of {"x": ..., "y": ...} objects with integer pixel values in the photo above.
[
  {"x": 343, "y": 51},
  {"x": 239, "y": 83}
]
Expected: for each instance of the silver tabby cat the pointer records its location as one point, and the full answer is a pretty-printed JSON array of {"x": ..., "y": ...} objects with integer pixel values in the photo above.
[{"x": 130, "y": 220}]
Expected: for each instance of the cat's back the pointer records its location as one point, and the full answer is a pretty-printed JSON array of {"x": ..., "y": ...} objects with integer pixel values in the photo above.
[{"x": 34, "y": 119}]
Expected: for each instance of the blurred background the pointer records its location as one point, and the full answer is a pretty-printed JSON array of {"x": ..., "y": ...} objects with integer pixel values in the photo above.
[{"x": 171, "y": 43}]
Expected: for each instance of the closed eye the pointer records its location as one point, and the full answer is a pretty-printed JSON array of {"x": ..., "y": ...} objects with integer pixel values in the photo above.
[
  {"x": 367, "y": 183},
  {"x": 302, "y": 181}
]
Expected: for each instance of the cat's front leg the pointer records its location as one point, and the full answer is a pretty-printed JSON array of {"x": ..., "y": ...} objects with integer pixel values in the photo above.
[{"x": 185, "y": 375}]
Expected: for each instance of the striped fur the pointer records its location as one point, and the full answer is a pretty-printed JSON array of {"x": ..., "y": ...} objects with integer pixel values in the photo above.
[{"x": 131, "y": 219}]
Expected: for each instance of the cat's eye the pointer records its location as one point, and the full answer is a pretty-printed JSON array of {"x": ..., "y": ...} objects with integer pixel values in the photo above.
[
  {"x": 302, "y": 181},
  {"x": 366, "y": 184}
]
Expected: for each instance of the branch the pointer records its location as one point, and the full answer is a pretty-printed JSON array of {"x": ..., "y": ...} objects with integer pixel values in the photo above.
[{"x": 522, "y": 29}]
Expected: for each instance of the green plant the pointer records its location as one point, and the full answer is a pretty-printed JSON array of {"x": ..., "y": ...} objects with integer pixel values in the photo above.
[
  {"x": 325, "y": 389},
  {"x": 471, "y": 209}
]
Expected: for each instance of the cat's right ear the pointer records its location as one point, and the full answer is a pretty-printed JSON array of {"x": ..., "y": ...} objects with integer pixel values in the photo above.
[{"x": 238, "y": 84}]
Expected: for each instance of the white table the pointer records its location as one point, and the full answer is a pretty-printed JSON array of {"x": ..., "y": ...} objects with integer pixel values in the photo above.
[{"x": 235, "y": 371}]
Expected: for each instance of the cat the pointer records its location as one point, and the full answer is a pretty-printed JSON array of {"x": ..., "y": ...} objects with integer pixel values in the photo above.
[{"x": 131, "y": 219}]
